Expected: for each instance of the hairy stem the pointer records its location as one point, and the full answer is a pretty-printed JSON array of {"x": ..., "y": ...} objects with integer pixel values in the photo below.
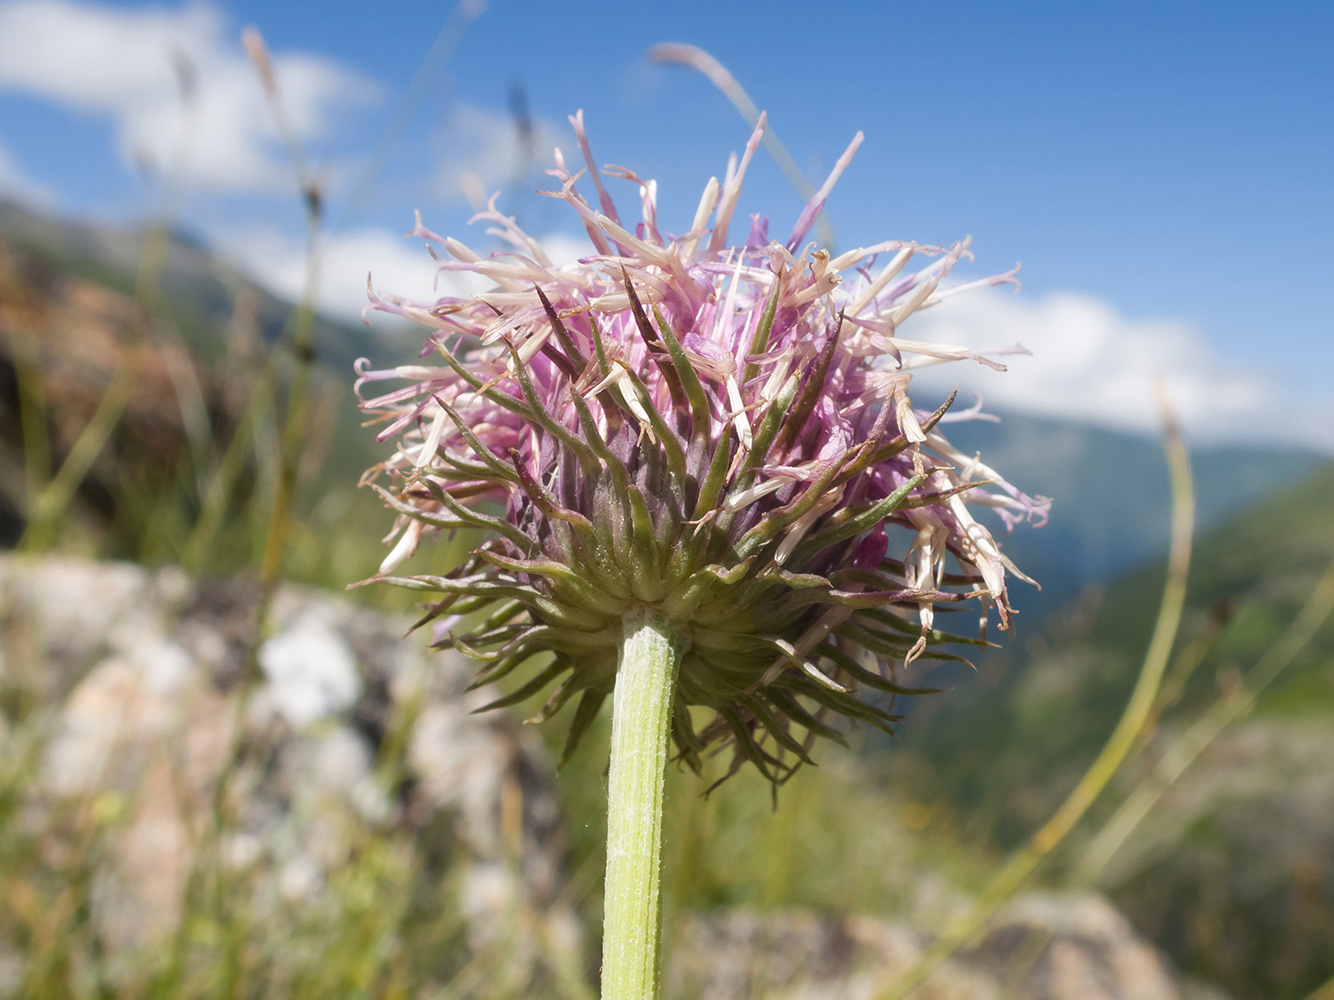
[{"x": 641, "y": 721}]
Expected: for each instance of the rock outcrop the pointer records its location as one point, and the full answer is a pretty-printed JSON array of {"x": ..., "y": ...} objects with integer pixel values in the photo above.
[
  {"x": 1039, "y": 947},
  {"x": 158, "y": 766},
  {"x": 180, "y": 776}
]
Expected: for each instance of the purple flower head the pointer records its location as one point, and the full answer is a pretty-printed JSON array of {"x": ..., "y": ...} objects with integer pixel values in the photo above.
[{"x": 721, "y": 434}]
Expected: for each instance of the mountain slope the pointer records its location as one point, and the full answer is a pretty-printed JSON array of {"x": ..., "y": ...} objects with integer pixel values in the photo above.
[
  {"x": 1233, "y": 871},
  {"x": 1110, "y": 497},
  {"x": 206, "y": 399},
  {"x": 199, "y": 287}
]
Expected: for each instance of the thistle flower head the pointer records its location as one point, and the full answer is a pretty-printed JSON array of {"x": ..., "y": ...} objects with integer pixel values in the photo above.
[{"x": 721, "y": 434}]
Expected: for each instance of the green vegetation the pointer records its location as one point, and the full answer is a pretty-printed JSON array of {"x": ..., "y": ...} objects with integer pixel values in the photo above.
[
  {"x": 1219, "y": 871},
  {"x": 1231, "y": 876}
]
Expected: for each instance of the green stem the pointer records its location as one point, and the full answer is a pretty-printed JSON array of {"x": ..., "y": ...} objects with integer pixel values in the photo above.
[{"x": 641, "y": 721}]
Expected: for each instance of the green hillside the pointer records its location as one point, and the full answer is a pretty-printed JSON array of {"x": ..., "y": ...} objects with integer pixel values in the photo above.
[{"x": 1234, "y": 877}]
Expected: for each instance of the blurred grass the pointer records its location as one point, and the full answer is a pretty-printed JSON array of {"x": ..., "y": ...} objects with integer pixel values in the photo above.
[
  {"x": 861, "y": 834},
  {"x": 855, "y": 835},
  {"x": 386, "y": 927},
  {"x": 1241, "y": 893},
  {"x": 264, "y": 488}
]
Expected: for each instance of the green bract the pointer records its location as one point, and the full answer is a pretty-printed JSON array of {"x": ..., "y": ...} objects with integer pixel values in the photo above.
[{"x": 719, "y": 436}]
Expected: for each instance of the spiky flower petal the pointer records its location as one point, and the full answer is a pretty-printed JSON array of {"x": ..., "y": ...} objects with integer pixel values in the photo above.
[{"x": 719, "y": 434}]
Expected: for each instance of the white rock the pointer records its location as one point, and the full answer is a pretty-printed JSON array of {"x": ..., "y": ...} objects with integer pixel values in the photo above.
[{"x": 311, "y": 672}]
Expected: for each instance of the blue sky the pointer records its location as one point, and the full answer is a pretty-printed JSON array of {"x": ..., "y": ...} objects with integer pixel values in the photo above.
[{"x": 1162, "y": 171}]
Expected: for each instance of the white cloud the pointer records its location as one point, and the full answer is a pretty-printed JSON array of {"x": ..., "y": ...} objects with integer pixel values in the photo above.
[
  {"x": 14, "y": 183},
  {"x": 484, "y": 151},
  {"x": 396, "y": 264},
  {"x": 400, "y": 265},
  {"x": 565, "y": 248},
  {"x": 1091, "y": 363},
  {"x": 127, "y": 63}
]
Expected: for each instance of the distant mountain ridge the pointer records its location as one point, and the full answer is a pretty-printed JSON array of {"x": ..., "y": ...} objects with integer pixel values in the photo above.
[
  {"x": 198, "y": 284},
  {"x": 1110, "y": 497}
]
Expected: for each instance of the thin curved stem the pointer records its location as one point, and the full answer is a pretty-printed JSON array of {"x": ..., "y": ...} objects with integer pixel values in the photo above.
[
  {"x": 1235, "y": 705},
  {"x": 718, "y": 75},
  {"x": 1137, "y": 713},
  {"x": 1325, "y": 992}
]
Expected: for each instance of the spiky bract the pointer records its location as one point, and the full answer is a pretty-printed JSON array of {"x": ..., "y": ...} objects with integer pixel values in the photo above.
[{"x": 721, "y": 435}]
